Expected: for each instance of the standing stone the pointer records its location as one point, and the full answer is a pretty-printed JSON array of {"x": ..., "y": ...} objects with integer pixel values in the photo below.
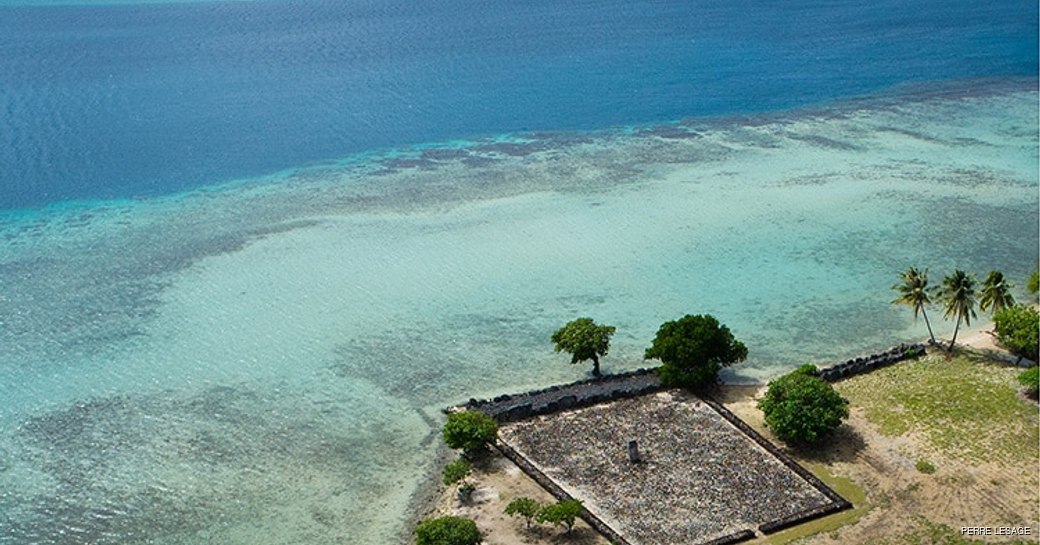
[{"x": 633, "y": 452}]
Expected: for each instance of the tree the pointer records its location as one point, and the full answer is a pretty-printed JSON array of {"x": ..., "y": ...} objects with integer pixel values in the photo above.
[
  {"x": 447, "y": 531},
  {"x": 525, "y": 507},
  {"x": 958, "y": 296},
  {"x": 913, "y": 292},
  {"x": 801, "y": 407},
  {"x": 584, "y": 340},
  {"x": 1017, "y": 330},
  {"x": 1034, "y": 282},
  {"x": 996, "y": 293},
  {"x": 693, "y": 349},
  {"x": 470, "y": 431},
  {"x": 562, "y": 512}
]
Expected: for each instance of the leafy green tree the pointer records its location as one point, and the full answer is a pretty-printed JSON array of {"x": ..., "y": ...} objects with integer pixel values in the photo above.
[
  {"x": 693, "y": 349},
  {"x": 456, "y": 471},
  {"x": 470, "y": 431},
  {"x": 560, "y": 513},
  {"x": 913, "y": 292},
  {"x": 584, "y": 340},
  {"x": 1034, "y": 282},
  {"x": 996, "y": 293},
  {"x": 525, "y": 507},
  {"x": 1017, "y": 330},
  {"x": 447, "y": 531},
  {"x": 1031, "y": 380},
  {"x": 801, "y": 407},
  {"x": 958, "y": 296}
]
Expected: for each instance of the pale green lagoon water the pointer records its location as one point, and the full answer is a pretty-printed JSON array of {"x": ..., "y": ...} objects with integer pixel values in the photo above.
[{"x": 264, "y": 362}]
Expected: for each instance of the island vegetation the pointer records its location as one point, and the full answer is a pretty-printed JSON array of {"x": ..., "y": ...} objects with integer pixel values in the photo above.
[
  {"x": 584, "y": 340},
  {"x": 799, "y": 407},
  {"x": 471, "y": 431},
  {"x": 447, "y": 530},
  {"x": 693, "y": 349}
]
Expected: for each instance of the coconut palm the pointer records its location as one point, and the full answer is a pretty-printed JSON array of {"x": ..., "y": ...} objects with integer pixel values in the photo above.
[
  {"x": 996, "y": 293},
  {"x": 958, "y": 297},
  {"x": 913, "y": 292}
]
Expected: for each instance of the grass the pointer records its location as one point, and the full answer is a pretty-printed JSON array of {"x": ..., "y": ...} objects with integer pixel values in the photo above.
[
  {"x": 846, "y": 489},
  {"x": 967, "y": 407},
  {"x": 933, "y": 533},
  {"x": 924, "y": 466}
]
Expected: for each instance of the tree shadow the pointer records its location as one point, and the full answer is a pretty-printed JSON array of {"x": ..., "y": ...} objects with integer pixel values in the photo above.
[
  {"x": 844, "y": 445},
  {"x": 580, "y": 535},
  {"x": 731, "y": 393}
]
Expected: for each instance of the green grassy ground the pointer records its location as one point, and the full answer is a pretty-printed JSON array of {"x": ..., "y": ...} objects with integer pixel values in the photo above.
[
  {"x": 967, "y": 407},
  {"x": 931, "y": 533}
]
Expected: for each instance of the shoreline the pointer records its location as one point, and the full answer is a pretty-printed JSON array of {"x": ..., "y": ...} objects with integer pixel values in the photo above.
[{"x": 433, "y": 499}]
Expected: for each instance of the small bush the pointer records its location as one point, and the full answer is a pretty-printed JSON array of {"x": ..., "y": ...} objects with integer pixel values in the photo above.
[
  {"x": 924, "y": 466},
  {"x": 447, "y": 531},
  {"x": 470, "y": 431},
  {"x": 466, "y": 490},
  {"x": 560, "y": 513},
  {"x": 800, "y": 407},
  {"x": 1017, "y": 329},
  {"x": 525, "y": 507},
  {"x": 1031, "y": 380},
  {"x": 456, "y": 471}
]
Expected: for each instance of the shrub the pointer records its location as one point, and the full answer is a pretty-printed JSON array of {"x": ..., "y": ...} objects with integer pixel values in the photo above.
[
  {"x": 799, "y": 407},
  {"x": 1031, "y": 380},
  {"x": 525, "y": 507},
  {"x": 456, "y": 471},
  {"x": 469, "y": 430},
  {"x": 924, "y": 466},
  {"x": 447, "y": 531},
  {"x": 1017, "y": 328},
  {"x": 562, "y": 512},
  {"x": 693, "y": 349}
]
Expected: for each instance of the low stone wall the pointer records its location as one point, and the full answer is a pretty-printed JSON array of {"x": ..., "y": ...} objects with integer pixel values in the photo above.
[
  {"x": 799, "y": 518},
  {"x": 866, "y": 364},
  {"x": 510, "y": 408},
  {"x": 559, "y": 493},
  {"x": 838, "y": 503},
  {"x": 738, "y": 537}
]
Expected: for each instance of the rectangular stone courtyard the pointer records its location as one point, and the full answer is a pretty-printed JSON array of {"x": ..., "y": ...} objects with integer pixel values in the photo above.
[{"x": 701, "y": 477}]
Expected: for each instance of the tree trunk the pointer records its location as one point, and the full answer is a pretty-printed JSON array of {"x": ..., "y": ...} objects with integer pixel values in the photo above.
[
  {"x": 955, "y": 328},
  {"x": 595, "y": 365},
  {"x": 927, "y": 323}
]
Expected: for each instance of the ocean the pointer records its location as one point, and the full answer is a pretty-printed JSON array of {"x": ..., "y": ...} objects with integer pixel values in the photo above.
[{"x": 249, "y": 249}]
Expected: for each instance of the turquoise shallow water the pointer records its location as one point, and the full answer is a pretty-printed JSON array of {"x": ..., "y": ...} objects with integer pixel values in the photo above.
[{"x": 263, "y": 362}]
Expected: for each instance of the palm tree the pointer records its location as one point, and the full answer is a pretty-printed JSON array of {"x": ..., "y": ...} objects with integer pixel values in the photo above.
[
  {"x": 996, "y": 293},
  {"x": 913, "y": 292},
  {"x": 958, "y": 296}
]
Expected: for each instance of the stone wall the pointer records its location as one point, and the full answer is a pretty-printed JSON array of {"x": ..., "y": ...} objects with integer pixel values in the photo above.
[
  {"x": 866, "y": 364},
  {"x": 549, "y": 485},
  {"x": 509, "y": 408},
  {"x": 837, "y": 503}
]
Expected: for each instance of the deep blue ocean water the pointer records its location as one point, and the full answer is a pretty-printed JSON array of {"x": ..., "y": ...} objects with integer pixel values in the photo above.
[{"x": 104, "y": 101}]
